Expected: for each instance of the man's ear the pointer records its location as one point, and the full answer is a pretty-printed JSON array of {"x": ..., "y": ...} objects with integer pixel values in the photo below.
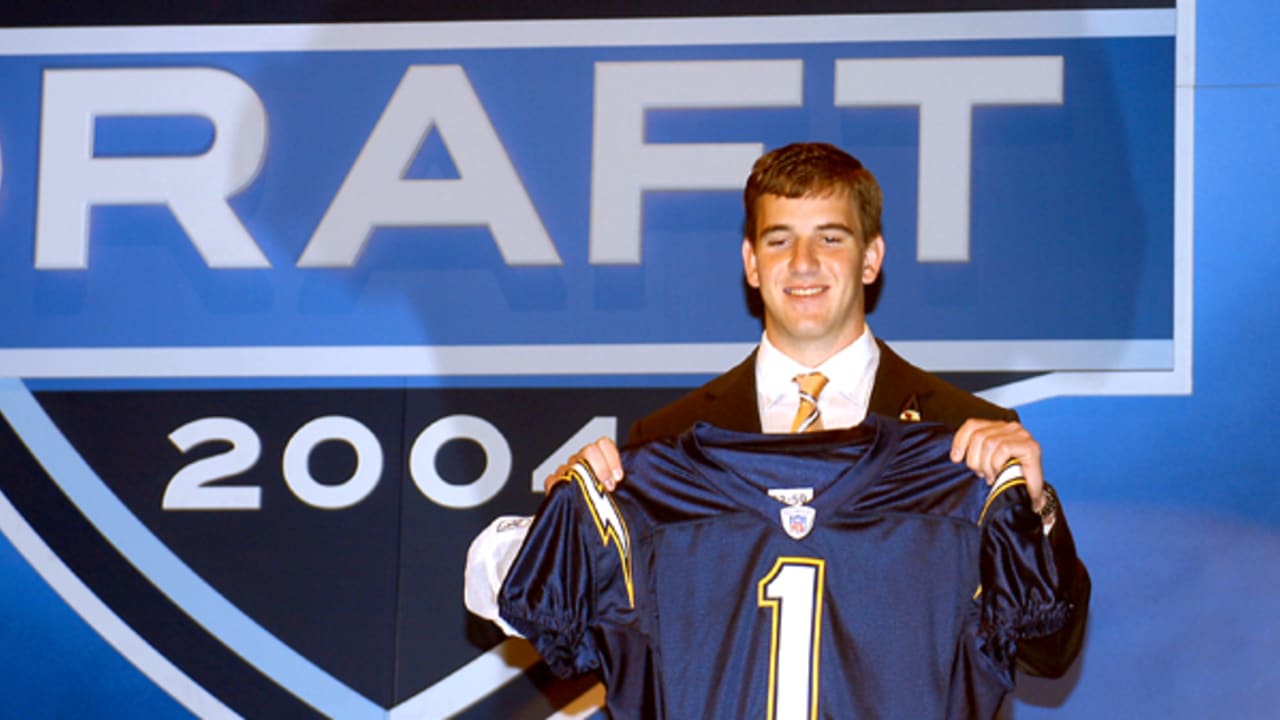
[
  {"x": 872, "y": 259},
  {"x": 749, "y": 267}
]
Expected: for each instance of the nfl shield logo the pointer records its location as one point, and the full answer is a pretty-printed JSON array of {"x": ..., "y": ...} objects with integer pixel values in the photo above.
[{"x": 797, "y": 520}]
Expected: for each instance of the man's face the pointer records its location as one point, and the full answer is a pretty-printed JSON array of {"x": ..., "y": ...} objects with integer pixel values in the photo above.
[{"x": 810, "y": 268}]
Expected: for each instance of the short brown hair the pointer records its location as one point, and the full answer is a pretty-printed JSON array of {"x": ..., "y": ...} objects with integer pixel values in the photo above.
[{"x": 814, "y": 169}]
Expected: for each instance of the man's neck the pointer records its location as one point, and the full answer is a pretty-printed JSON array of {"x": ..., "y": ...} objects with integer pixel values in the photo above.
[{"x": 812, "y": 356}]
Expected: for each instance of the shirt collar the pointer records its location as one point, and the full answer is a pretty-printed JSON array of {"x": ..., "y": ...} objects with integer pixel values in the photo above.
[{"x": 846, "y": 371}]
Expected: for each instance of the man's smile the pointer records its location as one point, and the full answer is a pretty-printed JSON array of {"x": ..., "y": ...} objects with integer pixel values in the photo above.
[{"x": 806, "y": 291}]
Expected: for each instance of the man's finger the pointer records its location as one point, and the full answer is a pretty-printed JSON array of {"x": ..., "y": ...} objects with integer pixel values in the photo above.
[
  {"x": 601, "y": 456},
  {"x": 605, "y": 461},
  {"x": 977, "y": 454},
  {"x": 960, "y": 441}
]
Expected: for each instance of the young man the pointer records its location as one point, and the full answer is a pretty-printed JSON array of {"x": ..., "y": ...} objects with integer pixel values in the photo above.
[{"x": 812, "y": 244}]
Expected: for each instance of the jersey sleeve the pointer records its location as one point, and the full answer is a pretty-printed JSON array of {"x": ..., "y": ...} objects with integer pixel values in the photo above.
[
  {"x": 489, "y": 559},
  {"x": 1022, "y": 593},
  {"x": 570, "y": 576}
]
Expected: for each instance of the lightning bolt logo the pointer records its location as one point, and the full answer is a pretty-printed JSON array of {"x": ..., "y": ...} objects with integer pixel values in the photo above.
[{"x": 608, "y": 520}]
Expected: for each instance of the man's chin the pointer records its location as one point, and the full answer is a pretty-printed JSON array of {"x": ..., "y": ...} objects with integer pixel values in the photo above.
[{"x": 805, "y": 336}]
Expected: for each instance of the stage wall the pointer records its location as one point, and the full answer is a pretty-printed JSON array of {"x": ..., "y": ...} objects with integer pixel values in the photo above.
[{"x": 294, "y": 301}]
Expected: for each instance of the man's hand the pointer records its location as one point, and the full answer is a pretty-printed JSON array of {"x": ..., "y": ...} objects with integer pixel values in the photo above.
[
  {"x": 986, "y": 445},
  {"x": 603, "y": 459}
]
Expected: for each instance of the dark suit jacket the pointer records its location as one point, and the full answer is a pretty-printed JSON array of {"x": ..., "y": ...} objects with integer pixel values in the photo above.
[{"x": 904, "y": 391}]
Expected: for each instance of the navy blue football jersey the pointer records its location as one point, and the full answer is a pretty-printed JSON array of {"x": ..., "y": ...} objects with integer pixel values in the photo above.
[{"x": 844, "y": 574}]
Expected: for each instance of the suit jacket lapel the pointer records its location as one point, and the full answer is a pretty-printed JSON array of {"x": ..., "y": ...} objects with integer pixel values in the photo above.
[
  {"x": 731, "y": 398},
  {"x": 898, "y": 389}
]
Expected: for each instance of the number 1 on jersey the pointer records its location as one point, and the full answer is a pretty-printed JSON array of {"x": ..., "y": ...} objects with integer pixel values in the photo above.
[{"x": 792, "y": 591}]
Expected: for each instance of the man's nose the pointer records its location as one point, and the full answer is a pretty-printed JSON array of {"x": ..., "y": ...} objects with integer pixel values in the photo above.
[{"x": 803, "y": 257}]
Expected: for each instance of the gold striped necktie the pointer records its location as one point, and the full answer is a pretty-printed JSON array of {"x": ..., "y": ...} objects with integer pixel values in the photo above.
[{"x": 808, "y": 417}]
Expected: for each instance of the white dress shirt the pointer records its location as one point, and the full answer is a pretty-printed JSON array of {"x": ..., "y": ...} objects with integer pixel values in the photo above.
[{"x": 843, "y": 402}]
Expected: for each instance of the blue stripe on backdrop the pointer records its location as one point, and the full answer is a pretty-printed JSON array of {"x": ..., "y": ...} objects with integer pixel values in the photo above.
[{"x": 55, "y": 666}]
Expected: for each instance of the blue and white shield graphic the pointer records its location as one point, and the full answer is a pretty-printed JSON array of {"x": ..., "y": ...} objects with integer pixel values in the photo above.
[
  {"x": 292, "y": 312},
  {"x": 797, "y": 520}
]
